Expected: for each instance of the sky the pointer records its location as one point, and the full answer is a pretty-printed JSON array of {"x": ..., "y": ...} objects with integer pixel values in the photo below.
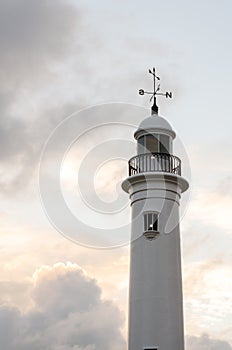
[{"x": 70, "y": 72}]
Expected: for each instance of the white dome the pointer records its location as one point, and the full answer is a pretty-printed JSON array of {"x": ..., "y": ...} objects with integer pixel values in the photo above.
[{"x": 154, "y": 124}]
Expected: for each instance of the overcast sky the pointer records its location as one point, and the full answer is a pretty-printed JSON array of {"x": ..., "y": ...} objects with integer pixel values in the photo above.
[{"x": 70, "y": 72}]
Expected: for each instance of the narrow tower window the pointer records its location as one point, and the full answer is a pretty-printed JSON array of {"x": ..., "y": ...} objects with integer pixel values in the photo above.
[{"x": 151, "y": 222}]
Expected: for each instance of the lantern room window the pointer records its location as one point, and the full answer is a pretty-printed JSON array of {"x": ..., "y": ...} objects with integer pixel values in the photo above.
[
  {"x": 154, "y": 143},
  {"x": 164, "y": 144}
]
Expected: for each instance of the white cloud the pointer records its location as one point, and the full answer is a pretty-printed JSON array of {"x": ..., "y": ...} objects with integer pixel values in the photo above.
[
  {"x": 206, "y": 343},
  {"x": 68, "y": 313},
  {"x": 207, "y": 298}
]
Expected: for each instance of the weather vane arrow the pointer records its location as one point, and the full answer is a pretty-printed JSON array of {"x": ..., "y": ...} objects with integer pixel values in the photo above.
[{"x": 154, "y": 108}]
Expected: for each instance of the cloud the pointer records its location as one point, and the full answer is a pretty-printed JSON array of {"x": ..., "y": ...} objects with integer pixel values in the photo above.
[
  {"x": 68, "y": 313},
  {"x": 46, "y": 58},
  {"x": 225, "y": 186},
  {"x": 208, "y": 221},
  {"x": 207, "y": 298},
  {"x": 77, "y": 290},
  {"x": 46, "y": 62},
  {"x": 35, "y": 37},
  {"x": 206, "y": 343},
  {"x": 8, "y": 294}
]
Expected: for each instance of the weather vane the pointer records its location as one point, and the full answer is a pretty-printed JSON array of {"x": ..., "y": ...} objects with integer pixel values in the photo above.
[{"x": 154, "y": 108}]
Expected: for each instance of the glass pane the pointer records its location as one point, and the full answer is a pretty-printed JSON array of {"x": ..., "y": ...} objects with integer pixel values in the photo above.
[
  {"x": 155, "y": 222},
  {"x": 145, "y": 222},
  {"x": 150, "y": 219},
  {"x": 140, "y": 145},
  {"x": 164, "y": 144},
  {"x": 151, "y": 143}
]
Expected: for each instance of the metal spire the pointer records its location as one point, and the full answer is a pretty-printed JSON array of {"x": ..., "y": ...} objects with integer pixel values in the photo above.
[{"x": 155, "y": 92}]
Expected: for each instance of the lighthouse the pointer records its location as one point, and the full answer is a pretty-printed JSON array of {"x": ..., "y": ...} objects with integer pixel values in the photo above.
[{"x": 155, "y": 185}]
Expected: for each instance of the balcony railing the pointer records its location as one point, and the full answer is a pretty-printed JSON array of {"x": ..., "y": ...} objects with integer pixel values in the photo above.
[{"x": 152, "y": 162}]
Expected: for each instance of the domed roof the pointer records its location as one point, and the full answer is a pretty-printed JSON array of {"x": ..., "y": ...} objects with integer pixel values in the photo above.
[{"x": 154, "y": 124}]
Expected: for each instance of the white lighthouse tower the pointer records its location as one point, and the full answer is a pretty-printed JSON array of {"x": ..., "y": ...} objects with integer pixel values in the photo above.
[{"x": 155, "y": 185}]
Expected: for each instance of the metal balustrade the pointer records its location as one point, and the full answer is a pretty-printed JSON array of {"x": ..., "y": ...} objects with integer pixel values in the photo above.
[{"x": 153, "y": 162}]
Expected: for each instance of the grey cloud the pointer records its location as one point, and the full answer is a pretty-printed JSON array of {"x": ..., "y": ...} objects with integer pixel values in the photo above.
[
  {"x": 33, "y": 36},
  {"x": 21, "y": 142},
  {"x": 9, "y": 326},
  {"x": 20, "y": 145},
  {"x": 43, "y": 43},
  {"x": 40, "y": 40},
  {"x": 206, "y": 343},
  {"x": 25, "y": 23},
  {"x": 68, "y": 313}
]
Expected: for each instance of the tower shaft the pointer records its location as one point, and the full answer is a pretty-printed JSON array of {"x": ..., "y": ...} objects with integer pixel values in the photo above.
[{"x": 155, "y": 299}]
